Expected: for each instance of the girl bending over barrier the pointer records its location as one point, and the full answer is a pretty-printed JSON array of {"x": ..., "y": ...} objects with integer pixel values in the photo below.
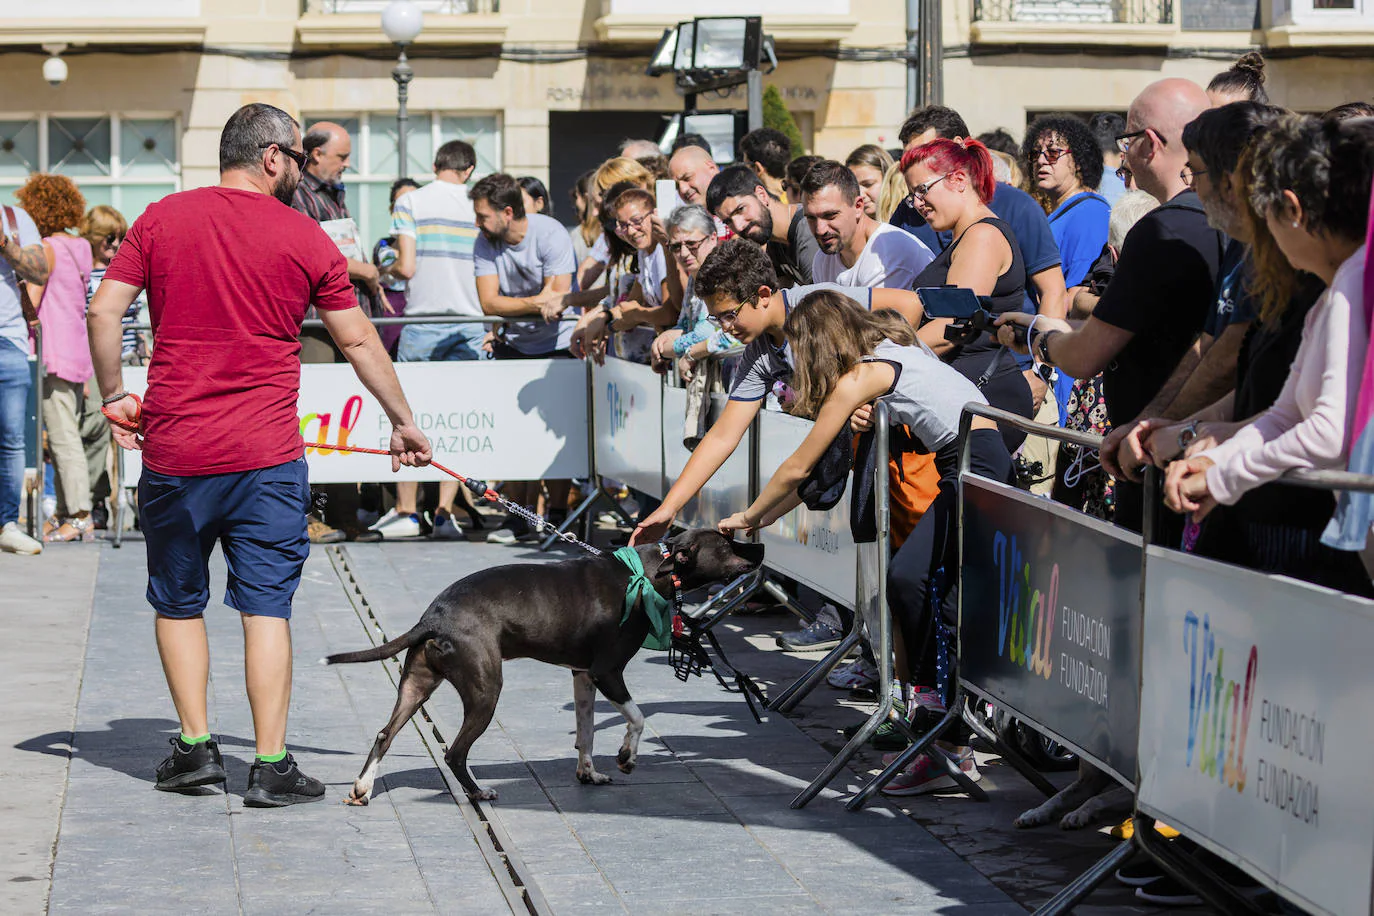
[{"x": 846, "y": 357}]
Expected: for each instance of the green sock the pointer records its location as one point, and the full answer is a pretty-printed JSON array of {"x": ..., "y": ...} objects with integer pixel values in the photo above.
[
  {"x": 273, "y": 758},
  {"x": 201, "y": 740}
]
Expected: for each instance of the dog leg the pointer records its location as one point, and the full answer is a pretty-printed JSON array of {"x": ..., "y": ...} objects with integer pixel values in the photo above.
[
  {"x": 1113, "y": 801},
  {"x": 584, "y": 701},
  {"x": 418, "y": 682},
  {"x": 612, "y": 686},
  {"x": 476, "y": 673},
  {"x": 1088, "y": 784}
]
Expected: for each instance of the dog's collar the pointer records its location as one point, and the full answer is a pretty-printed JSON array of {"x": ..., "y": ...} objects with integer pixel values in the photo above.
[{"x": 675, "y": 578}]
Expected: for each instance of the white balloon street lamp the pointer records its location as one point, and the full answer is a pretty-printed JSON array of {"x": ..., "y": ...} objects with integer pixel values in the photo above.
[{"x": 402, "y": 21}]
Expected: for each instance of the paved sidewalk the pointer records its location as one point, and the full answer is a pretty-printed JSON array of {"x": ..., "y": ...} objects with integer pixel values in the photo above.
[
  {"x": 702, "y": 826},
  {"x": 45, "y": 607}
]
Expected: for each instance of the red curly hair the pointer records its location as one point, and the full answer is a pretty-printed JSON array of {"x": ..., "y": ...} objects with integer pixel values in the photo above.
[{"x": 53, "y": 201}]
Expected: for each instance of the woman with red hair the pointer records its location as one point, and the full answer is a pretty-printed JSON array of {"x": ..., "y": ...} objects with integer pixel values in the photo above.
[
  {"x": 951, "y": 183},
  {"x": 57, "y": 207}
]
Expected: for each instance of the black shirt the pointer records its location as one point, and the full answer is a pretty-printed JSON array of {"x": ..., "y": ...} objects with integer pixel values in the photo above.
[
  {"x": 792, "y": 262},
  {"x": 1164, "y": 286}
]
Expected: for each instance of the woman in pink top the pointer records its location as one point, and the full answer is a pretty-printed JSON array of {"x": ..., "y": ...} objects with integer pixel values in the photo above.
[
  {"x": 56, "y": 207},
  {"x": 1311, "y": 184}
]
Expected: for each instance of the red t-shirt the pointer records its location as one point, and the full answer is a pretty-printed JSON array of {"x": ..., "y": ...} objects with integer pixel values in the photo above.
[{"x": 229, "y": 276}]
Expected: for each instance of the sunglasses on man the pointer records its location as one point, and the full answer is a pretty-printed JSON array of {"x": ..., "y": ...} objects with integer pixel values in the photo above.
[{"x": 294, "y": 155}]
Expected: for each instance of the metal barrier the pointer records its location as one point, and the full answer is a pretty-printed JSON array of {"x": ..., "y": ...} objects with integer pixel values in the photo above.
[
  {"x": 34, "y": 509},
  {"x": 1272, "y": 682}
]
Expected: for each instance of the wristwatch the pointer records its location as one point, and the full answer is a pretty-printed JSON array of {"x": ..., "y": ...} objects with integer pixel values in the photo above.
[
  {"x": 1043, "y": 340},
  {"x": 1186, "y": 435}
]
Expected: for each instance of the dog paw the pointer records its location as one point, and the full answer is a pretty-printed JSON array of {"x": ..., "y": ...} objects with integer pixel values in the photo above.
[
  {"x": 482, "y": 795},
  {"x": 593, "y": 778},
  {"x": 625, "y": 761},
  {"x": 359, "y": 801},
  {"x": 1075, "y": 820},
  {"x": 1031, "y": 818}
]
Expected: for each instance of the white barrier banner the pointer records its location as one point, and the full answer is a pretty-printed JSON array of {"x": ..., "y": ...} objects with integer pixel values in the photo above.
[
  {"x": 1254, "y": 717},
  {"x": 810, "y": 546},
  {"x": 504, "y": 420},
  {"x": 725, "y": 493},
  {"x": 627, "y": 424}
]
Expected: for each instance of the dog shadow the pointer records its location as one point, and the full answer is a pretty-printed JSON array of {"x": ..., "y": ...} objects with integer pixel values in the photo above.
[{"x": 133, "y": 747}]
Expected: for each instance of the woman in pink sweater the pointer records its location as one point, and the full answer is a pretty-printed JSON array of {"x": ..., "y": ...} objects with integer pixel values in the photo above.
[
  {"x": 1311, "y": 184},
  {"x": 58, "y": 207}
]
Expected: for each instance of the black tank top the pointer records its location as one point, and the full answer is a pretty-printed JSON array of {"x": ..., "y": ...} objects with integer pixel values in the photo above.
[{"x": 1007, "y": 294}]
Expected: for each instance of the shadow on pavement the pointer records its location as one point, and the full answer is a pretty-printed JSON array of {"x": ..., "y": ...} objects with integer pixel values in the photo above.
[{"x": 131, "y": 746}]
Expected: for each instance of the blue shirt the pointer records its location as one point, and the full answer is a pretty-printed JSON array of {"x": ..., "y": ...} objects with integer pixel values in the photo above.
[
  {"x": 1079, "y": 226},
  {"x": 1111, "y": 187}
]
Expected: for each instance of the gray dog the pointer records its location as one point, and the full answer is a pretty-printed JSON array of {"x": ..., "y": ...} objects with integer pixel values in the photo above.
[{"x": 566, "y": 613}]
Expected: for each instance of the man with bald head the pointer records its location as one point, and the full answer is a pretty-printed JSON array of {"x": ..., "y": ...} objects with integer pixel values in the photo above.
[
  {"x": 692, "y": 169},
  {"x": 1165, "y": 279},
  {"x": 320, "y": 196}
]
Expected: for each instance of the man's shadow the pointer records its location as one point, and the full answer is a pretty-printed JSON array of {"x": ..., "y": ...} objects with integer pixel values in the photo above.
[{"x": 134, "y": 747}]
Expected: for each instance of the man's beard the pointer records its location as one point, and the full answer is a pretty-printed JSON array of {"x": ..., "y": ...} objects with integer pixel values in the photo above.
[
  {"x": 1221, "y": 216},
  {"x": 285, "y": 188},
  {"x": 831, "y": 244},
  {"x": 760, "y": 231}
]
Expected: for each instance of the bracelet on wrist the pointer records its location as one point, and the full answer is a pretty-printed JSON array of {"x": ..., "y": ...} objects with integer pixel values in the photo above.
[{"x": 106, "y": 402}]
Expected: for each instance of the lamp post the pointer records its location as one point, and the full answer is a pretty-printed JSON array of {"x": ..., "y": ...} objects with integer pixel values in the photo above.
[{"x": 402, "y": 21}]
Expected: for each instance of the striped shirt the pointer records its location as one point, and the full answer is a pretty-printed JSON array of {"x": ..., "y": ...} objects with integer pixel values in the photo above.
[{"x": 439, "y": 217}]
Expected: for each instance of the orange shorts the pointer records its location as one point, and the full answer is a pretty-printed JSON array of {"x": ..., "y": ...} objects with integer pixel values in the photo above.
[{"x": 913, "y": 483}]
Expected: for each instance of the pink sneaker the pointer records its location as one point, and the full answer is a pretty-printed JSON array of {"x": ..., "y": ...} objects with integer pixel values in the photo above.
[
  {"x": 927, "y": 698},
  {"x": 926, "y": 774}
]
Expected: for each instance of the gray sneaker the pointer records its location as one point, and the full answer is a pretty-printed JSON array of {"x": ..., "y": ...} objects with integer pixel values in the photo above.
[{"x": 502, "y": 536}]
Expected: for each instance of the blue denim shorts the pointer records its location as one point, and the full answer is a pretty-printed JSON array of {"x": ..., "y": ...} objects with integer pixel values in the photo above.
[
  {"x": 258, "y": 518},
  {"x": 441, "y": 343}
]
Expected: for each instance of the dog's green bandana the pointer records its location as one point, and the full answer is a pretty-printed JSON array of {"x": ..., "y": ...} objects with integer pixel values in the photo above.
[{"x": 641, "y": 590}]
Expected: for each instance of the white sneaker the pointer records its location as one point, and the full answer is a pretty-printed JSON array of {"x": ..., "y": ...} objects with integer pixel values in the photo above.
[
  {"x": 14, "y": 540},
  {"x": 394, "y": 526},
  {"x": 445, "y": 529},
  {"x": 502, "y": 536}
]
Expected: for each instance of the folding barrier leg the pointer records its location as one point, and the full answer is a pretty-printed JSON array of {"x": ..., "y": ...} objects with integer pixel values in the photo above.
[
  {"x": 710, "y": 616},
  {"x": 789, "y": 698},
  {"x": 781, "y": 597},
  {"x": 844, "y": 756},
  {"x": 1188, "y": 870},
  {"x": 1080, "y": 887},
  {"x": 1009, "y": 754},
  {"x": 905, "y": 757}
]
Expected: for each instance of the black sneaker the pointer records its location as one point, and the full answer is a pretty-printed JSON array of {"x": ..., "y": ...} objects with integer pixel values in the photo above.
[
  {"x": 190, "y": 765},
  {"x": 276, "y": 785},
  {"x": 819, "y": 635}
]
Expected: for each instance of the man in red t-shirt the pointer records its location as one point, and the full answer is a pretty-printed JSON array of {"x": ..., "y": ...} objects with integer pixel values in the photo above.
[{"x": 230, "y": 272}]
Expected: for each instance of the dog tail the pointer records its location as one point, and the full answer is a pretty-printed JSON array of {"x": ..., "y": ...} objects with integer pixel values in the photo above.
[{"x": 414, "y": 637}]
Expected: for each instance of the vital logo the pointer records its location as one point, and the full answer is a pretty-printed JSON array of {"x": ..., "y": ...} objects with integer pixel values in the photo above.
[
  {"x": 619, "y": 412},
  {"x": 348, "y": 419},
  {"x": 1218, "y": 707},
  {"x": 1025, "y": 616}
]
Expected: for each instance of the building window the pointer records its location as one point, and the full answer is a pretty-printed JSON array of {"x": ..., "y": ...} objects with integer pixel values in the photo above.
[
  {"x": 125, "y": 161},
  {"x": 373, "y": 166},
  {"x": 1324, "y": 13}
]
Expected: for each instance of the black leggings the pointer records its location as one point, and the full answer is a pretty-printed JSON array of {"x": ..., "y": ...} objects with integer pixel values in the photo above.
[{"x": 933, "y": 544}]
